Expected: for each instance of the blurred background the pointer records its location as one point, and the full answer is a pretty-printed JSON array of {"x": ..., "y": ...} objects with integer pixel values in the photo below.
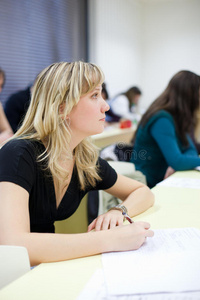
[{"x": 136, "y": 42}]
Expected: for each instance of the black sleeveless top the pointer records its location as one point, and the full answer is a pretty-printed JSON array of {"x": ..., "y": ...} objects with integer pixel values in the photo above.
[{"x": 18, "y": 164}]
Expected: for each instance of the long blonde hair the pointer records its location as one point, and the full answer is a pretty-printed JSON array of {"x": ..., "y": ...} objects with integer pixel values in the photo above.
[{"x": 62, "y": 83}]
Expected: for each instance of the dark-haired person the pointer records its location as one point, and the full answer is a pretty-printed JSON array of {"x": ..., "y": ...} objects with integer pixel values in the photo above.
[
  {"x": 162, "y": 142},
  {"x": 125, "y": 105},
  {"x": 5, "y": 128},
  {"x": 104, "y": 92},
  {"x": 16, "y": 107},
  {"x": 195, "y": 134}
]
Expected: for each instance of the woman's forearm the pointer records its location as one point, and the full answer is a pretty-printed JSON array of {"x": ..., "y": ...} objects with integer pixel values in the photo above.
[
  {"x": 49, "y": 247},
  {"x": 45, "y": 247},
  {"x": 139, "y": 201}
]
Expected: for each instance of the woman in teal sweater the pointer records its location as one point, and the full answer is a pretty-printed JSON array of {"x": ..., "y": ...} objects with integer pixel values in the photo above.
[{"x": 162, "y": 140}]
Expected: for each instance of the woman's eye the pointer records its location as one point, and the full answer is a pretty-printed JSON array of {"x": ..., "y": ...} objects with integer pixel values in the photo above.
[{"x": 94, "y": 96}]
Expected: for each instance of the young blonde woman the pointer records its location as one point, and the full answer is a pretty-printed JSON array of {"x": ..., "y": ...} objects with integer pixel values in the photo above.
[{"x": 50, "y": 164}]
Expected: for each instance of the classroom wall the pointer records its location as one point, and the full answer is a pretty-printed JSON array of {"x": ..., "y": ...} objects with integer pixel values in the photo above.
[
  {"x": 171, "y": 42},
  {"x": 114, "y": 41},
  {"x": 144, "y": 42}
]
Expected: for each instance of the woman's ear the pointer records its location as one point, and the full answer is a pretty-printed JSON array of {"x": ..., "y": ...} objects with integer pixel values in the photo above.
[
  {"x": 61, "y": 109},
  {"x": 61, "y": 112}
]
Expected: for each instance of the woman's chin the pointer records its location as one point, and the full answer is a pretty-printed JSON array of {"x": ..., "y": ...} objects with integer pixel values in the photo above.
[{"x": 100, "y": 130}]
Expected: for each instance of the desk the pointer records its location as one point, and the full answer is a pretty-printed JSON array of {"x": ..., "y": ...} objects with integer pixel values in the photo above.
[
  {"x": 112, "y": 135},
  {"x": 174, "y": 207}
]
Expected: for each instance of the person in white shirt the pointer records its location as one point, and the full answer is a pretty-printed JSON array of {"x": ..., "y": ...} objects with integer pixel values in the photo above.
[{"x": 125, "y": 105}]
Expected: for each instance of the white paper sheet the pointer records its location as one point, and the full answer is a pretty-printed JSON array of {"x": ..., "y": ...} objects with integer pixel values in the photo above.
[
  {"x": 168, "y": 262},
  {"x": 193, "y": 183},
  {"x": 96, "y": 289}
]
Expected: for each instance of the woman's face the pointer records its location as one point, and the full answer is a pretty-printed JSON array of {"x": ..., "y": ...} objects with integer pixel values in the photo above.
[
  {"x": 88, "y": 116},
  {"x": 135, "y": 99}
]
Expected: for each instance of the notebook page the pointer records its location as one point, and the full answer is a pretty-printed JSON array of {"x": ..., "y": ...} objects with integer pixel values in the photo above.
[{"x": 168, "y": 262}]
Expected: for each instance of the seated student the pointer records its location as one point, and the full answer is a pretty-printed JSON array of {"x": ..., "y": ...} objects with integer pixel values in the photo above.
[
  {"x": 104, "y": 92},
  {"x": 5, "y": 129},
  {"x": 16, "y": 107},
  {"x": 50, "y": 164},
  {"x": 110, "y": 116},
  {"x": 125, "y": 105},
  {"x": 195, "y": 133},
  {"x": 196, "y": 143},
  {"x": 162, "y": 142}
]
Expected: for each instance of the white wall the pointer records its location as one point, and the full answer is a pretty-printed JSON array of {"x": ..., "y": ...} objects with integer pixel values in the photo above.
[
  {"x": 114, "y": 41},
  {"x": 171, "y": 42},
  {"x": 144, "y": 43}
]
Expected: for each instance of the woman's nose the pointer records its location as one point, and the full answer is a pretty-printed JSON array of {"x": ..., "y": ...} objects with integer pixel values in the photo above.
[{"x": 105, "y": 107}]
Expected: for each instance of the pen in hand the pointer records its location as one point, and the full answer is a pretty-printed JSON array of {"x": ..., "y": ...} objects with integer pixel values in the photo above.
[{"x": 127, "y": 217}]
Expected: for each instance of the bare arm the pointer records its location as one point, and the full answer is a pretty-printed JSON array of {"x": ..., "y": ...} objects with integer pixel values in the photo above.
[
  {"x": 137, "y": 198},
  {"x": 5, "y": 128},
  {"x": 45, "y": 247}
]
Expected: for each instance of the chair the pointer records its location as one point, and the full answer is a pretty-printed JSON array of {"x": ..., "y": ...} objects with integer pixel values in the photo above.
[
  {"x": 14, "y": 262},
  {"x": 106, "y": 200}
]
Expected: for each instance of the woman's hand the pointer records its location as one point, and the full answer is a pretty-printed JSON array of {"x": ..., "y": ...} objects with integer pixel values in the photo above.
[
  {"x": 108, "y": 220},
  {"x": 129, "y": 237}
]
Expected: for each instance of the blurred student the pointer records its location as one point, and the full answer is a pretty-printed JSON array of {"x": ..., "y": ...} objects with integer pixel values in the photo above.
[
  {"x": 195, "y": 134},
  {"x": 50, "y": 165},
  {"x": 16, "y": 107},
  {"x": 5, "y": 128},
  {"x": 162, "y": 142},
  {"x": 110, "y": 116},
  {"x": 104, "y": 92},
  {"x": 125, "y": 105}
]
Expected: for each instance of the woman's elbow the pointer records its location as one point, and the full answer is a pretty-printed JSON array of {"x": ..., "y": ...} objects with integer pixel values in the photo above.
[
  {"x": 150, "y": 196},
  {"x": 8, "y": 240},
  {"x": 14, "y": 239}
]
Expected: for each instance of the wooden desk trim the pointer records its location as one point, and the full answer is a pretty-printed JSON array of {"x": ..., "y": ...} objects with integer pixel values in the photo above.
[{"x": 113, "y": 136}]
